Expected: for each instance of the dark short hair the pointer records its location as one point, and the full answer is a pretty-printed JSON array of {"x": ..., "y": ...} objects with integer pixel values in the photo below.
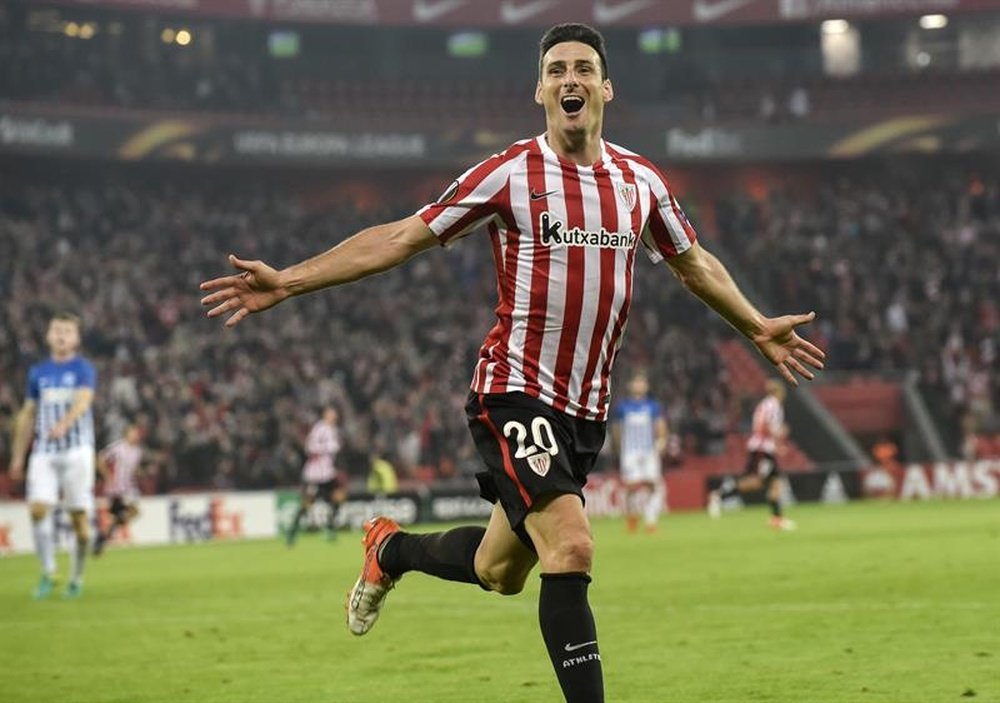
[
  {"x": 583, "y": 33},
  {"x": 63, "y": 316}
]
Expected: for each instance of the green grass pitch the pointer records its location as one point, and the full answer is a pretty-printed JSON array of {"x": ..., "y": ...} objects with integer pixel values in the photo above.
[{"x": 866, "y": 602}]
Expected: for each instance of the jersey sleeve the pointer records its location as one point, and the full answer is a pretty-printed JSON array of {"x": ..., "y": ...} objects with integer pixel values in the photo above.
[
  {"x": 33, "y": 390},
  {"x": 474, "y": 198},
  {"x": 618, "y": 412},
  {"x": 668, "y": 231},
  {"x": 87, "y": 376}
]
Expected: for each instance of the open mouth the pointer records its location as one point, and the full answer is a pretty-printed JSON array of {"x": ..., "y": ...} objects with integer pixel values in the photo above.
[{"x": 572, "y": 104}]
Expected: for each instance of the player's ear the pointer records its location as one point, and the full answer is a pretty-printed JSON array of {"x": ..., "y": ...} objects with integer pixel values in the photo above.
[
  {"x": 609, "y": 90},
  {"x": 538, "y": 93}
]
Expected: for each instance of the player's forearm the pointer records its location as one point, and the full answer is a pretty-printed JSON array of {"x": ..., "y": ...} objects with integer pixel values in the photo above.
[
  {"x": 81, "y": 404},
  {"x": 710, "y": 281},
  {"x": 368, "y": 252},
  {"x": 23, "y": 425},
  {"x": 662, "y": 436}
]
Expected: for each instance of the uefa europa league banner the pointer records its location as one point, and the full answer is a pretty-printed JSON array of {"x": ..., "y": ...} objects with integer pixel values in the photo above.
[{"x": 127, "y": 136}]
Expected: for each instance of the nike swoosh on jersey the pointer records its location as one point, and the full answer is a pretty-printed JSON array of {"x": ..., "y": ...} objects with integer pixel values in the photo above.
[
  {"x": 705, "y": 11},
  {"x": 538, "y": 196},
  {"x": 573, "y": 647},
  {"x": 512, "y": 13},
  {"x": 608, "y": 14},
  {"x": 426, "y": 11}
]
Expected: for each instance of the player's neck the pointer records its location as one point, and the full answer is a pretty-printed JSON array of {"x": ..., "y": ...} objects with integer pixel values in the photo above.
[
  {"x": 62, "y": 358},
  {"x": 582, "y": 149}
]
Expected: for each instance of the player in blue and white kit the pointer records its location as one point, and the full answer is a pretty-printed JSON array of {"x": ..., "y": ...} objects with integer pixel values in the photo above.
[
  {"x": 639, "y": 432},
  {"x": 57, "y": 422}
]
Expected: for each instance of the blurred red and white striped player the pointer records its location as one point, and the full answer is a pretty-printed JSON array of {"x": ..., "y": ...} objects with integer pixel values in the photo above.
[
  {"x": 768, "y": 422},
  {"x": 319, "y": 473},
  {"x": 761, "y": 471},
  {"x": 119, "y": 464},
  {"x": 322, "y": 444}
]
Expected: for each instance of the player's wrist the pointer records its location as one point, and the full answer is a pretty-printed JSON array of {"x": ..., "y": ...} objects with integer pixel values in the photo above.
[{"x": 289, "y": 284}]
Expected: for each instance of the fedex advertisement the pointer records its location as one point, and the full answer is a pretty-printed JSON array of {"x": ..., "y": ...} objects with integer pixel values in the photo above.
[{"x": 162, "y": 520}]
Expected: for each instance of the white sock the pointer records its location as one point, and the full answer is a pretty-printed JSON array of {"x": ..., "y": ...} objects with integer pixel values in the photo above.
[
  {"x": 45, "y": 546},
  {"x": 634, "y": 501},
  {"x": 78, "y": 555},
  {"x": 654, "y": 504}
]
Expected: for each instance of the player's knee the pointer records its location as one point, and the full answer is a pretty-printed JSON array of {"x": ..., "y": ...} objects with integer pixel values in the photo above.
[
  {"x": 573, "y": 552},
  {"x": 38, "y": 512}
]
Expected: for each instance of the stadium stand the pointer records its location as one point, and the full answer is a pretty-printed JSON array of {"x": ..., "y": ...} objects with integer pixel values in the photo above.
[
  {"x": 125, "y": 68},
  {"x": 901, "y": 270},
  {"x": 231, "y": 410}
]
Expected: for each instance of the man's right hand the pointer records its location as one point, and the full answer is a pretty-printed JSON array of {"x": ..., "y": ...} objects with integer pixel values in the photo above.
[{"x": 257, "y": 288}]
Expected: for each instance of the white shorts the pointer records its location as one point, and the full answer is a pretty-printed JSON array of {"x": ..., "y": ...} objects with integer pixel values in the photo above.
[
  {"x": 71, "y": 471},
  {"x": 641, "y": 468}
]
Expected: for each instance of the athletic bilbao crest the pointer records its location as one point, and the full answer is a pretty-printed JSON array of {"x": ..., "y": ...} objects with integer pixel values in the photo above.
[
  {"x": 629, "y": 194},
  {"x": 540, "y": 463}
]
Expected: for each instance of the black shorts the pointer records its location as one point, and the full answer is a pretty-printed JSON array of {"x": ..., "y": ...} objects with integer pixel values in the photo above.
[
  {"x": 119, "y": 506},
  {"x": 324, "y": 490},
  {"x": 531, "y": 450},
  {"x": 762, "y": 464}
]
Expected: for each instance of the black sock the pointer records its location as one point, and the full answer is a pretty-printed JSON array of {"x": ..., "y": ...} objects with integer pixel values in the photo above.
[
  {"x": 448, "y": 555},
  {"x": 294, "y": 528},
  {"x": 727, "y": 493},
  {"x": 331, "y": 521},
  {"x": 775, "y": 507},
  {"x": 571, "y": 636}
]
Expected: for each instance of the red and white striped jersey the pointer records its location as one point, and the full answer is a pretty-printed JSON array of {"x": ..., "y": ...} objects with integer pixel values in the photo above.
[
  {"x": 123, "y": 459},
  {"x": 564, "y": 239},
  {"x": 322, "y": 445},
  {"x": 768, "y": 420}
]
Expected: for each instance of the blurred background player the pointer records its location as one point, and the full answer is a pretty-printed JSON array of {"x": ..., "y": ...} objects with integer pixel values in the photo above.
[
  {"x": 319, "y": 475},
  {"x": 57, "y": 414},
  {"x": 762, "y": 466},
  {"x": 118, "y": 464},
  {"x": 639, "y": 432},
  {"x": 382, "y": 478}
]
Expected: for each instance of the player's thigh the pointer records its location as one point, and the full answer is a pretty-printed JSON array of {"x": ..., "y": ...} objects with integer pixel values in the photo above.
[
  {"x": 560, "y": 530},
  {"x": 77, "y": 473},
  {"x": 502, "y": 560},
  {"x": 640, "y": 470},
  {"x": 42, "y": 487}
]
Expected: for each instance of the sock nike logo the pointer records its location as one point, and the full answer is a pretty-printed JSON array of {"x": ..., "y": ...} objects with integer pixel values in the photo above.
[{"x": 573, "y": 647}]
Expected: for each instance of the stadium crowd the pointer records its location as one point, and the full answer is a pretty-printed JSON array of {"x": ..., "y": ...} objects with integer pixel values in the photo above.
[
  {"x": 231, "y": 408},
  {"x": 904, "y": 279},
  {"x": 903, "y": 269}
]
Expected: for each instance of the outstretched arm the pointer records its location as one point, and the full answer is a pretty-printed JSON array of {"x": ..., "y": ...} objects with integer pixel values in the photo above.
[
  {"x": 259, "y": 287},
  {"x": 24, "y": 426},
  {"x": 775, "y": 337}
]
